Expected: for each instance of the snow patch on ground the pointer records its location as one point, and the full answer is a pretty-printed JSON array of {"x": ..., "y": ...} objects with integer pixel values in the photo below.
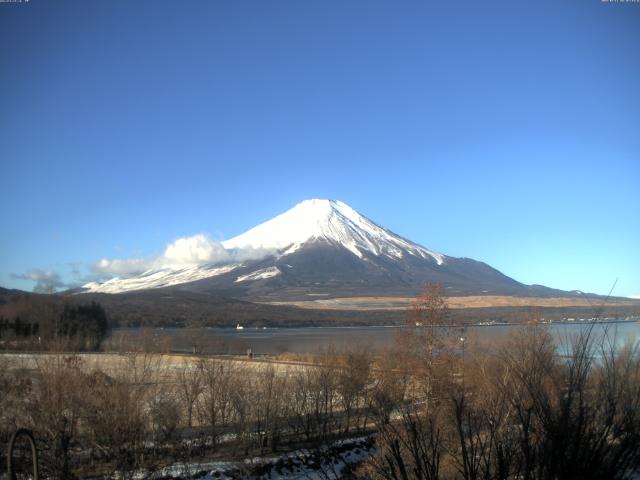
[{"x": 328, "y": 462}]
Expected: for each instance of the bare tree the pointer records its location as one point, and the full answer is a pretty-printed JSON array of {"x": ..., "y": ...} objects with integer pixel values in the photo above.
[
  {"x": 353, "y": 377},
  {"x": 53, "y": 409},
  {"x": 426, "y": 338},
  {"x": 411, "y": 447},
  {"x": 190, "y": 382},
  {"x": 267, "y": 391},
  {"x": 219, "y": 392}
]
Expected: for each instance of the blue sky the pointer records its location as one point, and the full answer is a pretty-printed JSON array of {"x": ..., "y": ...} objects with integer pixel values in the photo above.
[{"x": 508, "y": 132}]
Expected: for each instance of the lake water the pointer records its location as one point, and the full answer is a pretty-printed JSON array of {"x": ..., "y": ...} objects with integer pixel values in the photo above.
[{"x": 311, "y": 339}]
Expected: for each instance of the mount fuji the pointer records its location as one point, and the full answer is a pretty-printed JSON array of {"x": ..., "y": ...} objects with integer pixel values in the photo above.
[{"x": 323, "y": 249}]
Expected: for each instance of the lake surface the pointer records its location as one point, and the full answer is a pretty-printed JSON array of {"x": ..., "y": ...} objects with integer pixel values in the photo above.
[{"x": 311, "y": 339}]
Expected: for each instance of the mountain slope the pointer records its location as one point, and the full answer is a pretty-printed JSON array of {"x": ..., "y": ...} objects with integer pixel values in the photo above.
[{"x": 325, "y": 248}]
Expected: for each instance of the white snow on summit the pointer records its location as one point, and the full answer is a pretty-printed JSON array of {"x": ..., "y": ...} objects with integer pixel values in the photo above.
[{"x": 330, "y": 220}]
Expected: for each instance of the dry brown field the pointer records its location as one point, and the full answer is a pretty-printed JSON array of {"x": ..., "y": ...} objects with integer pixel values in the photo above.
[{"x": 477, "y": 301}]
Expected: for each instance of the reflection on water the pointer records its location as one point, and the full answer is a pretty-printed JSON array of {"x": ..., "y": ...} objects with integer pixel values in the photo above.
[{"x": 310, "y": 339}]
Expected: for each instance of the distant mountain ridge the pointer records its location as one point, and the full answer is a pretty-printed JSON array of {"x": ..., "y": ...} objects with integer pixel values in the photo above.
[{"x": 325, "y": 248}]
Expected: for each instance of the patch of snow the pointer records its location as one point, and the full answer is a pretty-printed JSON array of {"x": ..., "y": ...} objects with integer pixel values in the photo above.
[
  {"x": 189, "y": 470},
  {"x": 328, "y": 462},
  {"x": 163, "y": 277},
  {"x": 259, "y": 274}
]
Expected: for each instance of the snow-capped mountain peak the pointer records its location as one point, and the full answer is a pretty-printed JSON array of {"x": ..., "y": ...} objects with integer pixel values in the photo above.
[{"x": 332, "y": 221}]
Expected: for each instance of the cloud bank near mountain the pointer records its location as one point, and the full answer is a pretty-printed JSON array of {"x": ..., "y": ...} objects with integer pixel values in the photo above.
[
  {"x": 183, "y": 252},
  {"x": 46, "y": 281}
]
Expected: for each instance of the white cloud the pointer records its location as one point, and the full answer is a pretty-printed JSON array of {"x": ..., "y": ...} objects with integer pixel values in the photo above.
[
  {"x": 121, "y": 267},
  {"x": 242, "y": 254},
  {"x": 46, "y": 281},
  {"x": 195, "y": 250},
  {"x": 183, "y": 252}
]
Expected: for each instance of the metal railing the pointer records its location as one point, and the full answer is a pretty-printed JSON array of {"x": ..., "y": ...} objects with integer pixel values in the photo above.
[{"x": 11, "y": 474}]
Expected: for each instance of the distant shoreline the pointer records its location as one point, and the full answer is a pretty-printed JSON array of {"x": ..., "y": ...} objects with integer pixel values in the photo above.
[{"x": 251, "y": 329}]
